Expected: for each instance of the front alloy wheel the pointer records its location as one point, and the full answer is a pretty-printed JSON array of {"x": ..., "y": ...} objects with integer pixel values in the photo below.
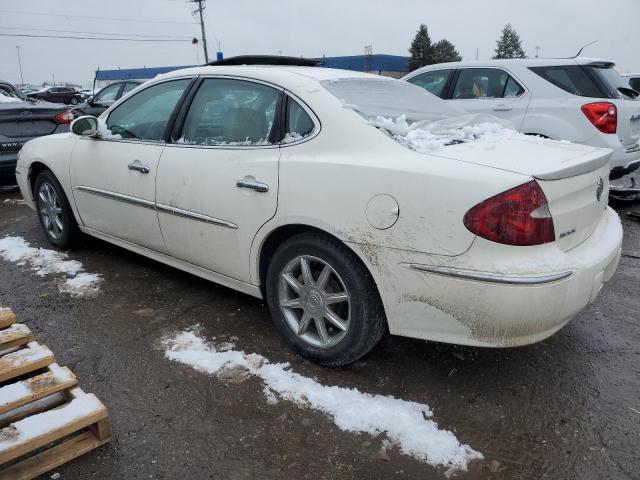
[
  {"x": 54, "y": 211},
  {"x": 50, "y": 211},
  {"x": 314, "y": 301}
]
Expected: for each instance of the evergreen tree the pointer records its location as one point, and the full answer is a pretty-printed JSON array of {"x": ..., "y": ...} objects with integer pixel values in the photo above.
[
  {"x": 421, "y": 49},
  {"x": 509, "y": 44},
  {"x": 444, "y": 51}
]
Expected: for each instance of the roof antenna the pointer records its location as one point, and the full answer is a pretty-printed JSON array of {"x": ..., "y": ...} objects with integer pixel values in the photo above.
[{"x": 583, "y": 47}]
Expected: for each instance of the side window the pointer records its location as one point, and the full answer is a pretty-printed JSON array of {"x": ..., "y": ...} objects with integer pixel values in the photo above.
[
  {"x": 230, "y": 112},
  {"x": 128, "y": 87},
  {"x": 512, "y": 89},
  {"x": 480, "y": 83},
  {"x": 108, "y": 94},
  {"x": 145, "y": 115},
  {"x": 434, "y": 82},
  {"x": 298, "y": 122},
  {"x": 570, "y": 78}
]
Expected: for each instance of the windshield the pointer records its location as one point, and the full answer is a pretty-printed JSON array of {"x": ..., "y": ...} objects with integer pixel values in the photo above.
[{"x": 372, "y": 98}]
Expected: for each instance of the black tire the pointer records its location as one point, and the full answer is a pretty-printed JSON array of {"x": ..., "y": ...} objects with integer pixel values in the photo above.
[
  {"x": 367, "y": 321},
  {"x": 70, "y": 232}
]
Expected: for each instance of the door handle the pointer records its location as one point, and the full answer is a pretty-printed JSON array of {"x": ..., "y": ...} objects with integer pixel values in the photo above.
[
  {"x": 138, "y": 167},
  {"x": 257, "y": 186},
  {"x": 502, "y": 108}
]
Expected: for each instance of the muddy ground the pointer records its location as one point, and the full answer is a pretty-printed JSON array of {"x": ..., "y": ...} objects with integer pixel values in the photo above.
[{"x": 561, "y": 409}]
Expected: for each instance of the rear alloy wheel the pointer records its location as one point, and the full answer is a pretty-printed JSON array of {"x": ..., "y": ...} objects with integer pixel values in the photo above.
[
  {"x": 323, "y": 300},
  {"x": 314, "y": 301},
  {"x": 54, "y": 211}
]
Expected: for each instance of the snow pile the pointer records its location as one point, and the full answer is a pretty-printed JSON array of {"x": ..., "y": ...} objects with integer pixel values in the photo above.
[
  {"x": 47, "y": 262},
  {"x": 427, "y": 136},
  {"x": 15, "y": 201},
  {"x": 404, "y": 423}
]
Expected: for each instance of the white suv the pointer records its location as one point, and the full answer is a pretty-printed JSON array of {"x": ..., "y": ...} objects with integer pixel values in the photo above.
[{"x": 579, "y": 99}]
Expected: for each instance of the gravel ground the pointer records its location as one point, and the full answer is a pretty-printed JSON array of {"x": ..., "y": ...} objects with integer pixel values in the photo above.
[{"x": 560, "y": 409}]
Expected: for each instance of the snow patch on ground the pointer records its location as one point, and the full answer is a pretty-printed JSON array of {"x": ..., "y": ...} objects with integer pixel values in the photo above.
[
  {"x": 404, "y": 423},
  {"x": 428, "y": 136},
  {"x": 49, "y": 262}
]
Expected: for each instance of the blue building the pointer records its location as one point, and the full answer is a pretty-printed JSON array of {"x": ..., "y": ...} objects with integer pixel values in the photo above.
[{"x": 388, "y": 65}]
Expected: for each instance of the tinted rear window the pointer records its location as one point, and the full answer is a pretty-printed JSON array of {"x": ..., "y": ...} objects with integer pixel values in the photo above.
[
  {"x": 372, "y": 97},
  {"x": 570, "y": 78}
]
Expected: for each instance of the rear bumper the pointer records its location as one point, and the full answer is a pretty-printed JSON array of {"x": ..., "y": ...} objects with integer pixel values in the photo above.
[
  {"x": 8, "y": 168},
  {"x": 495, "y": 296}
]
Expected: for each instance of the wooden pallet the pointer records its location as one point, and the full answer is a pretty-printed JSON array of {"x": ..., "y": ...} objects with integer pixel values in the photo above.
[{"x": 45, "y": 418}]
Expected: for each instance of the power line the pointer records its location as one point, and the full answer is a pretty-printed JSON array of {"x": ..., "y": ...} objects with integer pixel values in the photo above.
[
  {"x": 91, "y": 38},
  {"x": 95, "y": 33},
  {"x": 136, "y": 20}
]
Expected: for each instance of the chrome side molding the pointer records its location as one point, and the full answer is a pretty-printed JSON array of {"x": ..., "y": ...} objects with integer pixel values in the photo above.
[
  {"x": 179, "y": 212},
  {"x": 118, "y": 196},
  {"x": 488, "y": 277}
]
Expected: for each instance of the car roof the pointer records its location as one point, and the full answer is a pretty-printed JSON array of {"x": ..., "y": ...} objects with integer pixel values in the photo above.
[
  {"x": 282, "y": 75},
  {"x": 527, "y": 62}
]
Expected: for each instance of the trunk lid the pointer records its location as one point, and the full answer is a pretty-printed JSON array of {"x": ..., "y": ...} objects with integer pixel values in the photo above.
[
  {"x": 574, "y": 178},
  {"x": 577, "y": 204},
  {"x": 540, "y": 158},
  {"x": 24, "y": 120}
]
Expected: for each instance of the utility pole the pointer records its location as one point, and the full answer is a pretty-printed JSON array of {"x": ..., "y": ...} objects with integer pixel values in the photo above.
[
  {"x": 200, "y": 11},
  {"x": 20, "y": 64}
]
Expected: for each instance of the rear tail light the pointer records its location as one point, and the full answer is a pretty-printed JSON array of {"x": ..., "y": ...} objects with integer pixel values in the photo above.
[
  {"x": 64, "y": 117},
  {"x": 519, "y": 216},
  {"x": 603, "y": 115}
]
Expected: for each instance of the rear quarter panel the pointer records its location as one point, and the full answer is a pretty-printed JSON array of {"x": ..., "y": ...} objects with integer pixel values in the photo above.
[{"x": 328, "y": 182}]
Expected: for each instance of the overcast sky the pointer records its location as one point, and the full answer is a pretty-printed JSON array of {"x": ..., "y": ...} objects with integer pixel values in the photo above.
[{"x": 299, "y": 27}]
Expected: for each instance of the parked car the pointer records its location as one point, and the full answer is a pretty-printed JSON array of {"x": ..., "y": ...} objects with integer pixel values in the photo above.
[
  {"x": 580, "y": 99},
  {"x": 106, "y": 97},
  {"x": 634, "y": 80},
  {"x": 300, "y": 195},
  {"x": 66, "y": 95},
  {"x": 20, "y": 121}
]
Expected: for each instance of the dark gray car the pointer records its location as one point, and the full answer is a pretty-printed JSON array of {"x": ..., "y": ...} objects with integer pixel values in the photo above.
[
  {"x": 105, "y": 98},
  {"x": 22, "y": 119}
]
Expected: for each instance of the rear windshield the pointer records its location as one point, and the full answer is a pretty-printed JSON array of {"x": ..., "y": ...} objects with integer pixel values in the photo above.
[
  {"x": 572, "y": 79},
  {"x": 372, "y": 97}
]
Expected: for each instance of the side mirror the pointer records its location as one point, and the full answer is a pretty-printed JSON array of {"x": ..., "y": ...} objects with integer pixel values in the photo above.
[{"x": 86, "y": 126}]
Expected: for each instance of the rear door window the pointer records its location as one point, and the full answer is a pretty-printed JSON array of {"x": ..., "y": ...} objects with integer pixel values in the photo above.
[
  {"x": 570, "y": 78},
  {"x": 434, "y": 81},
  {"x": 485, "y": 83},
  {"x": 230, "y": 112}
]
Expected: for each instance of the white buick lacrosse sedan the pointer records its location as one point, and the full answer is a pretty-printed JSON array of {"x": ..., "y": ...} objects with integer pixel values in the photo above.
[{"x": 353, "y": 204}]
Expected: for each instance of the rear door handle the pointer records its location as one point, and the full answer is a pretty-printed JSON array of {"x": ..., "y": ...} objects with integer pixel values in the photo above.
[
  {"x": 252, "y": 185},
  {"x": 137, "y": 166},
  {"x": 502, "y": 108}
]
